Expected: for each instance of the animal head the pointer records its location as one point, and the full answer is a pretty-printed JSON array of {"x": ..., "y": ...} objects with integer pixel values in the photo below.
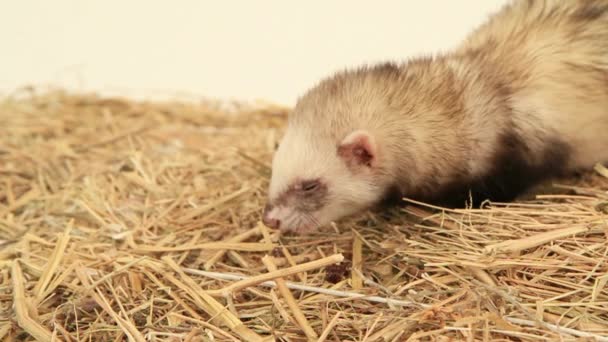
[
  {"x": 315, "y": 181},
  {"x": 331, "y": 161}
]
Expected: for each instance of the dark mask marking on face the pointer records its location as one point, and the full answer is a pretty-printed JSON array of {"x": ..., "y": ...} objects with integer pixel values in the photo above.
[{"x": 304, "y": 196}]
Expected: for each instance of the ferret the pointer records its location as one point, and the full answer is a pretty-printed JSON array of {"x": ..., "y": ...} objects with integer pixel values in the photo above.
[{"x": 522, "y": 99}]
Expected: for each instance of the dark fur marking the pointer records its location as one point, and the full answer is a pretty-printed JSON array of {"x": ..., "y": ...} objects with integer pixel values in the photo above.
[
  {"x": 391, "y": 197},
  {"x": 591, "y": 11},
  {"x": 386, "y": 69},
  {"x": 301, "y": 200},
  {"x": 511, "y": 175}
]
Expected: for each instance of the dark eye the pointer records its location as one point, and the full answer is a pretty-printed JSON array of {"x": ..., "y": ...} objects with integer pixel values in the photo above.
[{"x": 309, "y": 186}]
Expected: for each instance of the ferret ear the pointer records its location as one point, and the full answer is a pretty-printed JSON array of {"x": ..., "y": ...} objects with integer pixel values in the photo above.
[{"x": 358, "y": 149}]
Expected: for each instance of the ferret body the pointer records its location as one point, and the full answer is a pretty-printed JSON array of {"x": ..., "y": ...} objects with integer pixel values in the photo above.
[{"x": 524, "y": 98}]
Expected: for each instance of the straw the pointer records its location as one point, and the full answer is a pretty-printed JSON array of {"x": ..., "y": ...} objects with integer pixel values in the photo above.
[
  {"x": 291, "y": 301},
  {"x": 20, "y": 306},
  {"x": 285, "y": 272},
  {"x": 141, "y": 220}
]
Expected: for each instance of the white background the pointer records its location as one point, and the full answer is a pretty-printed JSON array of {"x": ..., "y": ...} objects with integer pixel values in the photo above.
[{"x": 245, "y": 50}]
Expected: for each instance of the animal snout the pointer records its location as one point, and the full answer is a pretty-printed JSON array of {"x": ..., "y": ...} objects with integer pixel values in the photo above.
[{"x": 268, "y": 219}]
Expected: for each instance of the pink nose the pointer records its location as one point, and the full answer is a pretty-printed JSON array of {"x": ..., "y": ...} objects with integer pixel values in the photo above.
[{"x": 270, "y": 222}]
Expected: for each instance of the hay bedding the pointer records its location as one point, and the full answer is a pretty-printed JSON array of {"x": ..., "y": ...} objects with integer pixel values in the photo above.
[{"x": 124, "y": 220}]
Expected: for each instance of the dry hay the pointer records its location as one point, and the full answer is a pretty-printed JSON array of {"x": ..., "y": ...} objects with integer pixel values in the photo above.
[{"x": 124, "y": 220}]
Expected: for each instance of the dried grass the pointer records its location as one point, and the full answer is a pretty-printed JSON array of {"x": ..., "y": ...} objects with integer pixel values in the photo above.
[{"x": 124, "y": 220}]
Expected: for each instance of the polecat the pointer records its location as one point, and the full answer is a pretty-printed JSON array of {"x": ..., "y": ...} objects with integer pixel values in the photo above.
[{"x": 522, "y": 99}]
